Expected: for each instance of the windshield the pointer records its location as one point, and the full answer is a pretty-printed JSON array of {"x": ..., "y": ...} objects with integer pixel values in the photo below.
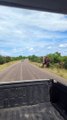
[{"x": 33, "y": 45}]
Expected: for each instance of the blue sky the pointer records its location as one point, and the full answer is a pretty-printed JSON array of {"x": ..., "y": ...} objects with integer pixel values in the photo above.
[{"x": 28, "y": 32}]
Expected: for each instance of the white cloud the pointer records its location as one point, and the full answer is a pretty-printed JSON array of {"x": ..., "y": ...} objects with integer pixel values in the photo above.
[
  {"x": 21, "y": 23},
  {"x": 18, "y": 32},
  {"x": 49, "y": 47},
  {"x": 63, "y": 45},
  {"x": 44, "y": 20},
  {"x": 31, "y": 49},
  {"x": 28, "y": 31},
  {"x": 17, "y": 50}
]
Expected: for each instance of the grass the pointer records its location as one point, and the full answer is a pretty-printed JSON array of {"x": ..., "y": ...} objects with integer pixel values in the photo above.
[
  {"x": 37, "y": 64},
  {"x": 6, "y": 65},
  {"x": 58, "y": 71}
]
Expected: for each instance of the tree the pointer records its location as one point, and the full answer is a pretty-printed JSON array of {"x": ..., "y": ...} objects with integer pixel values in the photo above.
[
  {"x": 2, "y": 60},
  {"x": 8, "y": 59},
  {"x": 65, "y": 62},
  {"x": 55, "y": 58}
]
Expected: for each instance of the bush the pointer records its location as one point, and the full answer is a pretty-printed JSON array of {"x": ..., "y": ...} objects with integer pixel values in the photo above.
[
  {"x": 2, "y": 60},
  {"x": 34, "y": 58},
  {"x": 65, "y": 64},
  {"x": 8, "y": 59},
  {"x": 55, "y": 58}
]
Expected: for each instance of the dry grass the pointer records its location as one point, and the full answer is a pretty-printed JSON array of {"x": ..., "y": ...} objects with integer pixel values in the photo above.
[
  {"x": 37, "y": 64},
  {"x": 6, "y": 65},
  {"x": 58, "y": 71}
]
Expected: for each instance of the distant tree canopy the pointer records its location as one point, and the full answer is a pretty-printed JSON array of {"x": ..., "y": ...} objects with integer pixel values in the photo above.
[
  {"x": 34, "y": 58},
  {"x": 2, "y": 59},
  {"x": 6, "y": 59}
]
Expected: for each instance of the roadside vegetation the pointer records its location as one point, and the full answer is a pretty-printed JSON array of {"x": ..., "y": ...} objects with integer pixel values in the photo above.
[
  {"x": 57, "y": 63},
  {"x": 6, "y": 61},
  {"x": 6, "y": 65}
]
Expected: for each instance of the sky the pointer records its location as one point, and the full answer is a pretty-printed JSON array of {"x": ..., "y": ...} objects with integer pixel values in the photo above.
[{"x": 30, "y": 32}]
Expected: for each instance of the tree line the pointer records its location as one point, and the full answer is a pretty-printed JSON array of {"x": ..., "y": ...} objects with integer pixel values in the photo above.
[
  {"x": 6, "y": 59},
  {"x": 56, "y": 59}
]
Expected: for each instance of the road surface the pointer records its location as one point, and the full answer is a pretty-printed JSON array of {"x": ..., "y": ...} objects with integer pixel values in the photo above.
[{"x": 24, "y": 70}]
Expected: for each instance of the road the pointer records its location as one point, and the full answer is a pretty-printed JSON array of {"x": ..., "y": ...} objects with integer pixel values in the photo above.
[{"x": 24, "y": 70}]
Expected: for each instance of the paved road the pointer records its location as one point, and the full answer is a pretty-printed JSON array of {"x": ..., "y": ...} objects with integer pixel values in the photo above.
[{"x": 26, "y": 71}]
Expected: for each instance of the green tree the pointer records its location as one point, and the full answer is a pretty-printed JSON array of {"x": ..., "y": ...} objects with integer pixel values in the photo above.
[
  {"x": 2, "y": 60},
  {"x": 8, "y": 59}
]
